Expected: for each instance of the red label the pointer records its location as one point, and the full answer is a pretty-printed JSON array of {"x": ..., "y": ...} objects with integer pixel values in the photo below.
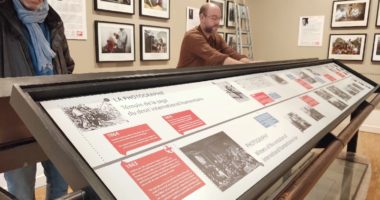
[
  {"x": 309, "y": 100},
  {"x": 163, "y": 175},
  {"x": 331, "y": 78},
  {"x": 262, "y": 98},
  {"x": 340, "y": 74},
  {"x": 184, "y": 121},
  {"x": 304, "y": 84},
  {"x": 132, "y": 138}
]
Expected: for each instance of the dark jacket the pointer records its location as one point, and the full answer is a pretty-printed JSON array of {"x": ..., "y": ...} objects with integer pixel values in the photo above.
[{"x": 14, "y": 54}]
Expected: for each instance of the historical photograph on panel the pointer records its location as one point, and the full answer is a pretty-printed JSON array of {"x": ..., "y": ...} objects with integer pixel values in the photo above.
[
  {"x": 232, "y": 91},
  {"x": 121, "y": 6},
  {"x": 278, "y": 79},
  {"x": 313, "y": 113},
  {"x": 155, "y": 43},
  {"x": 221, "y": 159},
  {"x": 338, "y": 92},
  {"x": 298, "y": 122},
  {"x": 306, "y": 77},
  {"x": 88, "y": 117},
  {"x": 114, "y": 41},
  {"x": 155, "y": 8},
  {"x": 351, "y": 89},
  {"x": 324, "y": 94},
  {"x": 337, "y": 103},
  {"x": 350, "y": 13},
  {"x": 347, "y": 47}
]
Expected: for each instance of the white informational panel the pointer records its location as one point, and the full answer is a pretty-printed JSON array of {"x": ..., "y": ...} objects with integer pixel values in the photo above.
[{"x": 205, "y": 140}]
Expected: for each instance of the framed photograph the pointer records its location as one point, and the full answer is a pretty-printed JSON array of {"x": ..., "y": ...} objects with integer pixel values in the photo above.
[
  {"x": 120, "y": 6},
  {"x": 243, "y": 12},
  {"x": 222, "y": 35},
  {"x": 350, "y": 13},
  {"x": 155, "y": 43},
  {"x": 155, "y": 8},
  {"x": 376, "y": 48},
  {"x": 230, "y": 22},
  {"x": 114, "y": 41},
  {"x": 222, "y": 6},
  {"x": 231, "y": 40},
  {"x": 347, "y": 46}
]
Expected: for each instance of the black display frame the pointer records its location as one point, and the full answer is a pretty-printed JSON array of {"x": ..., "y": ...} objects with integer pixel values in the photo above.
[{"x": 25, "y": 100}]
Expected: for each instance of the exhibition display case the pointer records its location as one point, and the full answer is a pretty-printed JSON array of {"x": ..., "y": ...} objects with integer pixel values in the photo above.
[{"x": 197, "y": 133}]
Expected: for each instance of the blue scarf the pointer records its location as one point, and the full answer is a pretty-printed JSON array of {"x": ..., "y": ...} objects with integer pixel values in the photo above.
[{"x": 41, "y": 46}]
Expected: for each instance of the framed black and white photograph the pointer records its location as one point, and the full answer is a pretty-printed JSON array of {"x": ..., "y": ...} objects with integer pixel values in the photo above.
[
  {"x": 347, "y": 46},
  {"x": 231, "y": 40},
  {"x": 155, "y": 8},
  {"x": 376, "y": 48},
  {"x": 230, "y": 22},
  {"x": 222, "y": 6},
  {"x": 155, "y": 43},
  {"x": 243, "y": 13},
  {"x": 120, "y": 6},
  {"x": 114, "y": 41},
  {"x": 350, "y": 13},
  {"x": 222, "y": 35}
]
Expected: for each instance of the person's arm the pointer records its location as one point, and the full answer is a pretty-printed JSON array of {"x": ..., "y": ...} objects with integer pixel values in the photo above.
[{"x": 231, "y": 61}]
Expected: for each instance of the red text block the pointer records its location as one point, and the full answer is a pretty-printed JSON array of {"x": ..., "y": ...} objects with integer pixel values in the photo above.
[
  {"x": 132, "y": 138},
  {"x": 184, "y": 121},
  {"x": 309, "y": 100},
  {"x": 163, "y": 175},
  {"x": 304, "y": 84},
  {"x": 262, "y": 98},
  {"x": 329, "y": 77}
]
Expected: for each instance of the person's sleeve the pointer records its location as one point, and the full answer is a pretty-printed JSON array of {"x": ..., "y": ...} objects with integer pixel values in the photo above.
[
  {"x": 231, "y": 52},
  {"x": 69, "y": 60},
  {"x": 199, "y": 47}
]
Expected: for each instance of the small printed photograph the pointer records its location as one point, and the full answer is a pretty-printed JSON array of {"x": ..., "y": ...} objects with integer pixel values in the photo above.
[
  {"x": 232, "y": 91},
  {"x": 231, "y": 40},
  {"x": 278, "y": 79},
  {"x": 337, "y": 103},
  {"x": 338, "y": 92},
  {"x": 306, "y": 77},
  {"x": 298, "y": 122},
  {"x": 313, "y": 113},
  {"x": 93, "y": 116},
  {"x": 351, "y": 89},
  {"x": 313, "y": 72},
  {"x": 221, "y": 159},
  {"x": 324, "y": 94}
]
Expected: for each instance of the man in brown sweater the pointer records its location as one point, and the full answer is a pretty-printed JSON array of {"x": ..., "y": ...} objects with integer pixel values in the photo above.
[{"x": 203, "y": 46}]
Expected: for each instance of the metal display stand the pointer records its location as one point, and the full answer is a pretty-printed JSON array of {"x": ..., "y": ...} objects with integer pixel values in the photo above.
[{"x": 26, "y": 97}]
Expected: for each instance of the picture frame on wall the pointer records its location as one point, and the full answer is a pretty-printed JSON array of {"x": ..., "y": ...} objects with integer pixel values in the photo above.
[
  {"x": 155, "y": 8},
  {"x": 123, "y": 6},
  {"x": 376, "y": 48},
  {"x": 155, "y": 43},
  {"x": 230, "y": 19},
  {"x": 231, "y": 40},
  {"x": 114, "y": 42},
  {"x": 352, "y": 13},
  {"x": 347, "y": 46},
  {"x": 222, "y": 5}
]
